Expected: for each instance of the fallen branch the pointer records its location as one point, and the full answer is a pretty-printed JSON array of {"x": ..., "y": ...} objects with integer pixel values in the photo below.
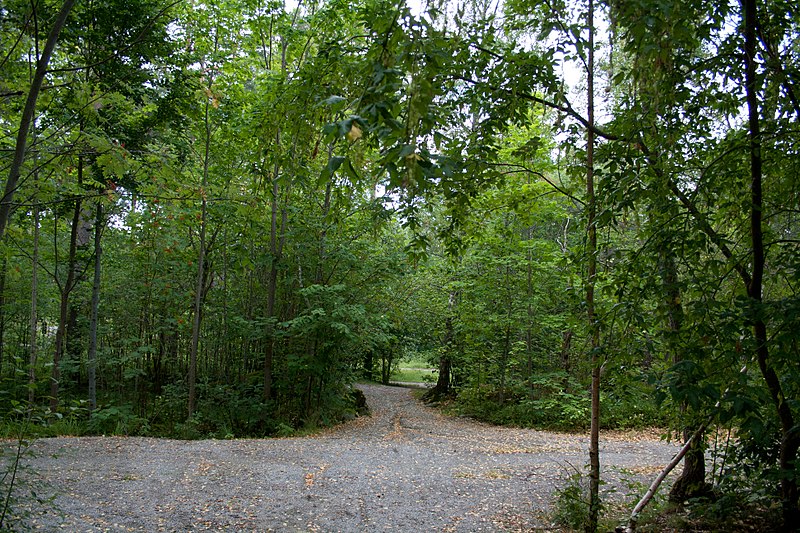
[{"x": 631, "y": 527}]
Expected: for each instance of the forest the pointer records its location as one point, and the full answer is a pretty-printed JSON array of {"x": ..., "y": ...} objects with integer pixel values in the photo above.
[{"x": 219, "y": 216}]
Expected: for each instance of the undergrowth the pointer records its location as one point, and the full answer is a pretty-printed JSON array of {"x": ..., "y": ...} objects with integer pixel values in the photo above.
[
  {"x": 553, "y": 401},
  {"x": 18, "y": 485},
  {"x": 223, "y": 412},
  {"x": 617, "y": 499}
]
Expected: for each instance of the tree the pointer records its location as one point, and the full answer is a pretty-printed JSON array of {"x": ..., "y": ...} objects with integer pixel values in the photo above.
[
  {"x": 95, "y": 306},
  {"x": 28, "y": 114},
  {"x": 709, "y": 184},
  {"x": 790, "y": 438},
  {"x": 591, "y": 272}
]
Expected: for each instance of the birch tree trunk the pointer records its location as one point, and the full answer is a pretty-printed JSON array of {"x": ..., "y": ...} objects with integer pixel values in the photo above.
[{"x": 33, "y": 346}]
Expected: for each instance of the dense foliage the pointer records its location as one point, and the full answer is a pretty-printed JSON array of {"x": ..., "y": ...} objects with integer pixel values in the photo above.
[{"x": 224, "y": 214}]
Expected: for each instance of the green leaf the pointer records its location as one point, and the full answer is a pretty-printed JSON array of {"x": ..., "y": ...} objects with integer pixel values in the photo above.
[
  {"x": 333, "y": 100},
  {"x": 333, "y": 165}
]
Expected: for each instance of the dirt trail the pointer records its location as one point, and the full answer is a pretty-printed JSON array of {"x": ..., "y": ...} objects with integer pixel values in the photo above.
[{"x": 405, "y": 468}]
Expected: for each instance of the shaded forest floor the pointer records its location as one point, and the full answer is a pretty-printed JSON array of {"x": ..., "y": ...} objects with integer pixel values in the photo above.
[{"x": 405, "y": 468}]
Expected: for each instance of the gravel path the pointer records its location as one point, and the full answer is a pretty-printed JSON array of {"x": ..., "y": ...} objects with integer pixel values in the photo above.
[{"x": 405, "y": 468}]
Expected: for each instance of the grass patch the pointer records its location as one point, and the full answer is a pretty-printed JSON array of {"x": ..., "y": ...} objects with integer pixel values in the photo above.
[{"x": 414, "y": 375}]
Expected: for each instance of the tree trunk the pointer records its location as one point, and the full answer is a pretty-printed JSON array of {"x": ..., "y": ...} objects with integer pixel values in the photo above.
[
  {"x": 197, "y": 317},
  {"x": 566, "y": 347},
  {"x": 197, "y": 313},
  {"x": 591, "y": 272},
  {"x": 73, "y": 336},
  {"x": 790, "y": 438},
  {"x": 386, "y": 367},
  {"x": 276, "y": 243},
  {"x": 3, "y": 267},
  {"x": 692, "y": 481},
  {"x": 34, "y": 318},
  {"x": 322, "y": 252},
  {"x": 529, "y": 310},
  {"x": 651, "y": 491},
  {"x": 199, "y": 292},
  {"x": 442, "y": 387},
  {"x": 504, "y": 364},
  {"x": 66, "y": 289},
  {"x": 92, "y": 354},
  {"x": 506, "y": 353},
  {"x": 277, "y": 238},
  {"x": 33, "y": 346},
  {"x": 319, "y": 279}
]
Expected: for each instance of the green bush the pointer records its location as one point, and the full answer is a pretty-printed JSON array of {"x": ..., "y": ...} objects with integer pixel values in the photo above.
[
  {"x": 118, "y": 420},
  {"x": 540, "y": 403},
  {"x": 571, "y": 508},
  {"x": 188, "y": 430},
  {"x": 629, "y": 402},
  {"x": 555, "y": 401},
  {"x": 746, "y": 482},
  {"x": 227, "y": 411}
]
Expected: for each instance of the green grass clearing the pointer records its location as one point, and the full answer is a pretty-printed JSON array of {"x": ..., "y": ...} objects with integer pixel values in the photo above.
[{"x": 415, "y": 375}]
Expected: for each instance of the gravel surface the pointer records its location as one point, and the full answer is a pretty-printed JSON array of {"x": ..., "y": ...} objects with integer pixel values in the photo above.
[{"x": 405, "y": 468}]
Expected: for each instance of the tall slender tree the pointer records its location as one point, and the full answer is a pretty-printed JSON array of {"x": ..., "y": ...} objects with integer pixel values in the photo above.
[{"x": 591, "y": 273}]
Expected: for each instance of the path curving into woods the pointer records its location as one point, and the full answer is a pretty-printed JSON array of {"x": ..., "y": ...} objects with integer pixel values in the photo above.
[{"x": 405, "y": 468}]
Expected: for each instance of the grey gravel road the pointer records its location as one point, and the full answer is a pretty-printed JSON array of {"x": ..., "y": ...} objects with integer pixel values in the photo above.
[{"x": 405, "y": 468}]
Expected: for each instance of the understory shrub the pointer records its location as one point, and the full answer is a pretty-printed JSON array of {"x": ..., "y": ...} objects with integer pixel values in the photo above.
[
  {"x": 118, "y": 420},
  {"x": 571, "y": 508},
  {"x": 561, "y": 410},
  {"x": 557, "y": 402},
  {"x": 18, "y": 480},
  {"x": 746, "y": 480},
  {"x": 227, "y": 411},
  {"x": 628, "y": 402}
]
